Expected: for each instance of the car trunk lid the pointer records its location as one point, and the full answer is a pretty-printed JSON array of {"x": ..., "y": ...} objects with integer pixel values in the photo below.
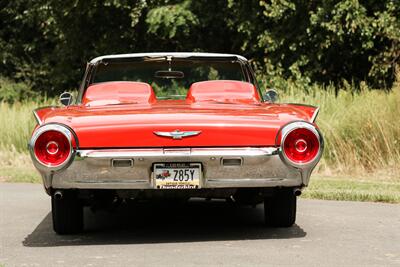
[{"x": 218, "y": 125}]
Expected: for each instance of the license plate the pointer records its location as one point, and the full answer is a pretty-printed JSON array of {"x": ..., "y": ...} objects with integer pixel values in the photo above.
[{"x": 177, "y": 175}]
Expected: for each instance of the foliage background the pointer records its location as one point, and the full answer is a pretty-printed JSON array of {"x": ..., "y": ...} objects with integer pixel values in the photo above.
[{"x": 46, "y": 43}]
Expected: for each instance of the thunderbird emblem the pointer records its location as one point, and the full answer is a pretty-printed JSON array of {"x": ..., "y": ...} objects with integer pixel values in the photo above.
[{"x": 177, "y": 134}]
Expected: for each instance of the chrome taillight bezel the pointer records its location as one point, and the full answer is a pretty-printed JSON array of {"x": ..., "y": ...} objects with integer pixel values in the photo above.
[
  {"x": 52, "y": 127},
  {"x": 284, "y": 132}
]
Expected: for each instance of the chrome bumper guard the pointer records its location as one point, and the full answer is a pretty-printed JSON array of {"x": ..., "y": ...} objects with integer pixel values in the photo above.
[{"x": 222, "y": 168}]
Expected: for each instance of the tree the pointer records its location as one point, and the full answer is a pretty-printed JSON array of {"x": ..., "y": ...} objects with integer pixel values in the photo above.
[{"x": 47, "y": 43}]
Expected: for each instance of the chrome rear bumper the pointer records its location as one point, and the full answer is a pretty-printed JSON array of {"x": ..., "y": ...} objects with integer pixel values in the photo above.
[{"x": 254, "y": 167}]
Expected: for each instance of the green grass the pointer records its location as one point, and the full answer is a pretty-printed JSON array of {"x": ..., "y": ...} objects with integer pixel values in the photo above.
[
  {"x": 19, "y": 175},
  {"x": 361, "y": 130},
  {"x": 17, "y": 123},
  {"x": 17, "y": 167},
  {"x": 347, "y": 188}
]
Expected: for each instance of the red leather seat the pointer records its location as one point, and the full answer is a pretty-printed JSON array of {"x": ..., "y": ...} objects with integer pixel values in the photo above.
[
  {"x": 112, "y": 93},
  {"x": 223, "y": 91}
]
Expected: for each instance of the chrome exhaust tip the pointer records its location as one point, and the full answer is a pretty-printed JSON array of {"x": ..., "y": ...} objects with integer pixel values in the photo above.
[{"x": 58, "y": 194}]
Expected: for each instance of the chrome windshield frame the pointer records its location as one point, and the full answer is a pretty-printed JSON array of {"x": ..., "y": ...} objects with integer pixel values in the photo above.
[{"x": 92, "y": 65}]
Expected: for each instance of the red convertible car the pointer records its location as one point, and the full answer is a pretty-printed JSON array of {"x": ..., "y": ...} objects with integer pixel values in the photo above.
[{"x": 173, "y": 126}]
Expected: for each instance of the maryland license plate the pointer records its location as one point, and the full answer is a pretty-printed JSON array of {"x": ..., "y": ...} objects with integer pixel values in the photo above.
[{"x": 177, "y": 175}]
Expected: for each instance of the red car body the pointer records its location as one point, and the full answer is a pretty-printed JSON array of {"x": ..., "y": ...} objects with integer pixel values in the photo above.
[
  {"x": 120, "y": 131},
  {"x": 231, "y": 124}
]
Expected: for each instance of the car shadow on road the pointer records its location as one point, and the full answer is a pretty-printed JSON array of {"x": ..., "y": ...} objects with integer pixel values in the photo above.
[{"x": 142, "y": 223}]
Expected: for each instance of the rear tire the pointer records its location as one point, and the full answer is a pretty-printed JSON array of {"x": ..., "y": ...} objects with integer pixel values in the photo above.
[
  {"x": 280, "y": 209},
  {"x": 67, "y": 213}
]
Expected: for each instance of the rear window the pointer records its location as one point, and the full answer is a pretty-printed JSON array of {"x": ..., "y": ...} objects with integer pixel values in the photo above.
[{"x": 169, "y": 79}]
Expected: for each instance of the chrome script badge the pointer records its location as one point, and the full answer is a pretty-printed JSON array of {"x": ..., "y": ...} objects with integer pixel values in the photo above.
[{"x": 178, "y": 134}]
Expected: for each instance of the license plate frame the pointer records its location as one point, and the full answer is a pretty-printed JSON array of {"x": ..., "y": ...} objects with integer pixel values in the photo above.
[{"x": 177, "y": 175}]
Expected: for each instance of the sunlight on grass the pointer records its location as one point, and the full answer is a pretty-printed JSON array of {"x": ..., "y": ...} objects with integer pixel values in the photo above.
[
  {"x": 17, "y": 123},
  {"x": 361, "y": 130},
  {"x": 353, "y": 189},
  {"x": 17, "y": 167}
]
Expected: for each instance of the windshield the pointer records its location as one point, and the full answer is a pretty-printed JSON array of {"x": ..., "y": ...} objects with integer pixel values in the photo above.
[{"x": 169, "y": 78}]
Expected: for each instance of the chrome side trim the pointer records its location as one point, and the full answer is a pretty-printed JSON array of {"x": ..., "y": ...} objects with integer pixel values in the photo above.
[
  {"x": 264, "y": 182},
  {"x": 314, "y": 116},
  {"x": 37, "y": 118},
  {"x": 115, "y": 181}
]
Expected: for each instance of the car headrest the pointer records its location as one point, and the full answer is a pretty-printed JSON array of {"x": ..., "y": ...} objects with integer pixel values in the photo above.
[
  {"x": 112, "y": 93},
  {"x": 223, "y": 91}
]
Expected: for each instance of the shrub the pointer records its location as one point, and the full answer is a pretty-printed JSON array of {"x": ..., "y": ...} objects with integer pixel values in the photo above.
[{"x": 11, "y": 91}]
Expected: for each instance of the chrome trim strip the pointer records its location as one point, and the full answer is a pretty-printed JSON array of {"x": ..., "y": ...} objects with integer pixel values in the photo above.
[
  {"x": 314, "y": 116},
  {"x": 169, "y": 152},
  {"x": 115, "y": 181},
  {"x": 243, "y": 180},
  {"x": 264, "y": 182},
  {"x": 37, "y": 118},
  {"x": 162, "y": 54}
]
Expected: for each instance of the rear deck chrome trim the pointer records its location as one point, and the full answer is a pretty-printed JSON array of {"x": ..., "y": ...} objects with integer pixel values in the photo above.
[{"x": 167, "y": 152}]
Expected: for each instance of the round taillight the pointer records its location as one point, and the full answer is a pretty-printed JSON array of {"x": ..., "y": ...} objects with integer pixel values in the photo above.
[
  {"x": 301, "y": 145},
  {"x": 52, "y": 148}
]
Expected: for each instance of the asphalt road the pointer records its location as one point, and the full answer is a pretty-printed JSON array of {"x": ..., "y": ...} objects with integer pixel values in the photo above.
[{"x": 328, "y": 233}]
